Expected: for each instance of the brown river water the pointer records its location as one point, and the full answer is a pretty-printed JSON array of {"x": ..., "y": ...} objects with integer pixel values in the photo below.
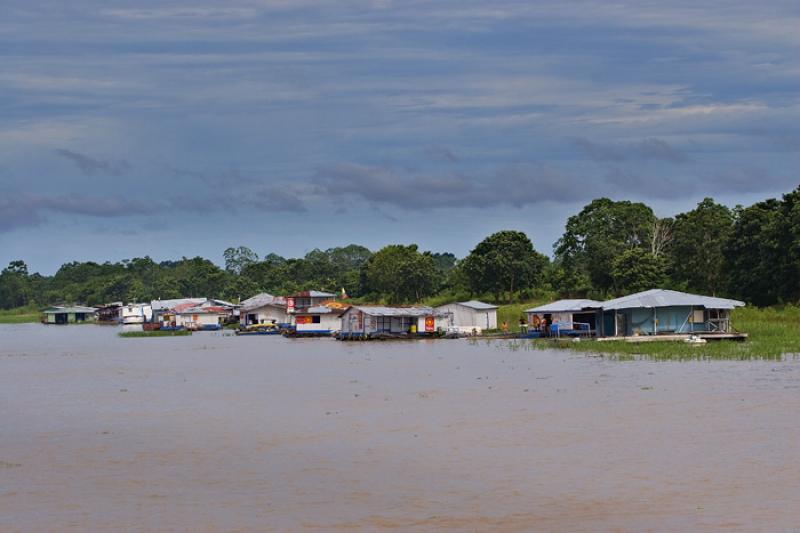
[{"x": 222, "y": 433}]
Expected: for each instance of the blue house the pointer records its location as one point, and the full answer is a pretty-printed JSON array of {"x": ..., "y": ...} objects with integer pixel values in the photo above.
[
  {"x": 661, "y": 311},
  {"x": 653, "y": 312}
]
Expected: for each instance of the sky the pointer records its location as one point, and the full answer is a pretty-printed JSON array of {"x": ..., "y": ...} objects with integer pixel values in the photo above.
[{"x": 178, "y": 128}]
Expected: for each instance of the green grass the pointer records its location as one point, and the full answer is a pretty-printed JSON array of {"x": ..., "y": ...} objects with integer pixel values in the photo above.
[
  {"x": 20, "y": 315},
  {"x": 156, "y": 333},
  {"x": 774, "y": 333}
]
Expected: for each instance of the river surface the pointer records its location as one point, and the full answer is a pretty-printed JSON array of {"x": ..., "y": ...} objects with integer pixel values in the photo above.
[{"x": 222, "y": 433}]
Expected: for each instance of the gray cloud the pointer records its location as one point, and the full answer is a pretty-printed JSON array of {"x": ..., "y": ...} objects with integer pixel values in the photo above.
[
  {"x": 274, "y": 199},
  {"x": 384, "y": 185},
  {"x": 24, "y": 210},
  {"x": 91, "y": 166},
  {"x": 441, "y": 153},
  {"x": 227, "y": 197},
  {"x": 650, "y": 148}
]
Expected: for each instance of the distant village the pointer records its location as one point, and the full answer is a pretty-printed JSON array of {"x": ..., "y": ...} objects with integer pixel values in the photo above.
[{"x": 657, "y": 314}]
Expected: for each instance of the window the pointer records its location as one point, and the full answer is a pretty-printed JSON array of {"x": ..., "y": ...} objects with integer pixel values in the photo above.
[{"x": 315, "y": 319}]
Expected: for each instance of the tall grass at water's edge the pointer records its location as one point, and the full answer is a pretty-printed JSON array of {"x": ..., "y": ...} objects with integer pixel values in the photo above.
[
  {"x": 774, "y": 333},
  {"x": 20, "y": 315}
]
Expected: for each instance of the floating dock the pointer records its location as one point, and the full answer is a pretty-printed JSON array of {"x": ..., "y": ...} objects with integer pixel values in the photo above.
[{"x": 677, "y": 337}]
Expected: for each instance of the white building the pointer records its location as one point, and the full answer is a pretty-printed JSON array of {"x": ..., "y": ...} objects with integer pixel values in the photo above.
[
  {"x": 471, "y": 315},
  {"x": 136, "y": 313},
  {"x": 263, "y": 308},
  {"x": 317, "y": 320},
  {"x": 364, "y": 321},
  {"x": 197, "y": 318}
]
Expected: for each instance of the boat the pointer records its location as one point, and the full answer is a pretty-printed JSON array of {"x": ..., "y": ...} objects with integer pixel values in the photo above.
[{"x": 259, "y": 329}]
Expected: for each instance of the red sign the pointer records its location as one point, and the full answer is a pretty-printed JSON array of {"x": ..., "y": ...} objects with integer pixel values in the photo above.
[
  {"x": 429, "y": 324},
  {"x": 290, "y": 304}
]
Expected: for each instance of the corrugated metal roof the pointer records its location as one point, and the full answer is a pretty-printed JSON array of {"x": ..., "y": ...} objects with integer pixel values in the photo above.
[
  {"x": 480, "y": 306},
  {"x": 216, "y": 302},
  {"x": 667, "y": 298},
  {"x": 207, "y": 310},
  {"x": 71, "y": 309},
  {"x": 261, "y": 300},
  {"x": 313, "y": 294},
  {"x": 566, "y": 306},
  {"x": 376, "y": 310},
  {"x": 171, "y": 304}
]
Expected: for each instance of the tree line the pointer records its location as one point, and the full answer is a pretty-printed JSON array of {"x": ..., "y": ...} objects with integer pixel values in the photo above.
[{"x": 610, "y": 248}]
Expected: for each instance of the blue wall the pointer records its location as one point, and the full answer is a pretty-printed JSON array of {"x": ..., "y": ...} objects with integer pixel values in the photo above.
[{"x": 670, "y": 319}]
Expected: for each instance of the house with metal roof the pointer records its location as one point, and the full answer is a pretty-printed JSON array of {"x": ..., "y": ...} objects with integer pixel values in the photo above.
[
  {"x": 201, "y": 317},
  {"x": 572, "y": 316},
  {"x": 661, "y": 311},
  {"x": 313, "y": 313},
  {"x": 317, "y": 320},
  {"x": 194, "y": 313},
  {"x": 263, "y": 308},
  {"x": 373, "y": 321},
  {"x": 470, "y": 315},
  {"x": 647, "y": 313},
  {"x": 75, "y": 314}
]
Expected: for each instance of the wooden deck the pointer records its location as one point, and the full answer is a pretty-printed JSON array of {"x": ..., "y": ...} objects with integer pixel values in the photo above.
[{"x": 678, "y": 337}]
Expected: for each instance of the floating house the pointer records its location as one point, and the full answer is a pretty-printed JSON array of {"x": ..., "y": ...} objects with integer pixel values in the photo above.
[
  {"x": 135, "y": 313},
  {"x": 313, "y": 313},
  {"x": 564, "y": 316},
  {"x": 660, "y": 311},
  {"x": 201, "y": 317},
  {"x": 368, "y": 321},
  {"x": 263, "y": 308},
  {"x": 68, "y": 315},
  {"x": 317, "y": 320},
  {"x": 110, "y": 313},
  {"x": 650, "y": 313},
  {"x": 470, "y": 316}
]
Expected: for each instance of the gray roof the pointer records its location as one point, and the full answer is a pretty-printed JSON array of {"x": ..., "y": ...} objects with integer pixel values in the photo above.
[
  {"x": 375, "y": 310},
  {"x": 479, "y": 306},
  {"x": 68, "y": 309},
  {"x": 170, "y": 304},
  {"x": 216, "y": 301},
  {"x": 566, "y": 306},
  {"x": 667, "y": 298},
  {"x": 261, "y": 300}
]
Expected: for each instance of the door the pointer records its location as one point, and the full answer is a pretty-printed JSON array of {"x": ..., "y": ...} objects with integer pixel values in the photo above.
[{"x": 622, "y": 325}]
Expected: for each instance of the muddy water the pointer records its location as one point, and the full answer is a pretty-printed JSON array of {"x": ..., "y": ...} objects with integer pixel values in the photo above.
[{"x": 215, "y": 433}]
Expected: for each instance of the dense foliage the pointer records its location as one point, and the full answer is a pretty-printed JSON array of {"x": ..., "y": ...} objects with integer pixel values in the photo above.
[{"x": 608, "y": 249}]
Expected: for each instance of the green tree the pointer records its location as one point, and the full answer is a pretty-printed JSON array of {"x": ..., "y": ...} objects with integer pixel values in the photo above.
[
  {"x": 14, "y": 286},
  {"x": 602, "y": 231},
  {"x": 697, "y": 252},
  {"x": 237, "y": 259},
  {"x": 401, "y": 274},
  {"x": 504, "y": 262},
  {"x": 637, "y": 270}
]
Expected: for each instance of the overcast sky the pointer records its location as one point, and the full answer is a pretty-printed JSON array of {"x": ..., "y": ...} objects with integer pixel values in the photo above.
[{"x": 178, "y": 128}]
